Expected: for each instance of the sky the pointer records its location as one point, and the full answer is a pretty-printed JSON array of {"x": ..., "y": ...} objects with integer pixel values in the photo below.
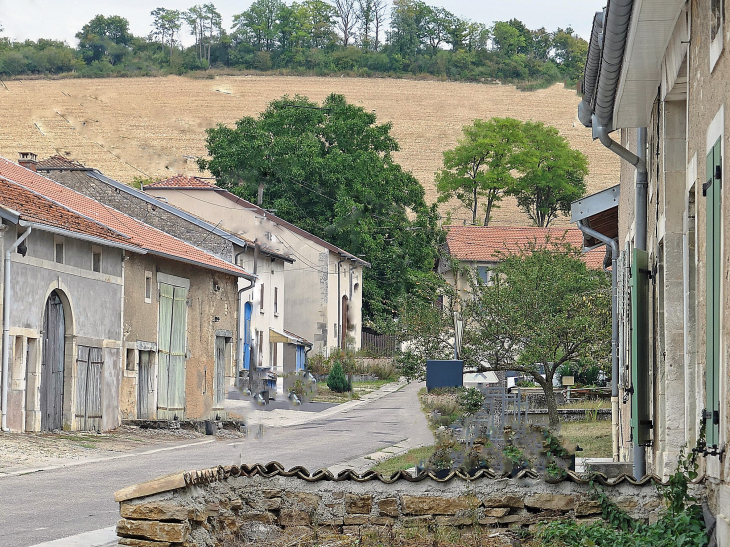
[{"x": 62, "y": 19}]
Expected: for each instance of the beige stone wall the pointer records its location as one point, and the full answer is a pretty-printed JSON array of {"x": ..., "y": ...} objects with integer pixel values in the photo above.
[{"x": 176, "y": 511}]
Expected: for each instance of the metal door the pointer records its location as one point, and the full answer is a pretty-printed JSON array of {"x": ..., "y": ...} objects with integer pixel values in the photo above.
[
  {"x": 172, "y": 346},
  {"x": 144, "y": 385},
  {"x": 54, "y": 331},
  {"x": 89, "y": 363},
  {"x": 219, "y": 390}
]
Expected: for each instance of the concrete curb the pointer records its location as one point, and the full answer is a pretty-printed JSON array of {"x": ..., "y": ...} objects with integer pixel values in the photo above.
[{"x": 106, "y": 537}]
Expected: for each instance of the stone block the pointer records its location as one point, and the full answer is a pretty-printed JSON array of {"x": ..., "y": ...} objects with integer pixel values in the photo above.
[
  {"x": 496, "y": 512},
  {"x": 388, "y": 507},
  {"x": 351, "y": 520},
  {"x": 334, "y": 521},
  {"x": 434, "y": 505},
  {"x": 488, "y": 521},
  {"x": 453, "y": 521},
  {"x": 131, "y": 542},
  {"x": 514, "y": 519},
  {"x": 155, "y": 486},
  {"x": 271, "y": 493},
  {"x": 585, "y": 508},
  {"x": 266, "y": 518},
  {"x": 359, "y": 505},
  {"x": 156, "y": 511},
  {"x": 383, "y": 521},
  {"x": 294, "y": 517},
  {"x": 513, "y": 502},
  {"x": 551, "y": 502},
  {"x": 351, "y": 530},
  {"x": 309, "y": 502},
  {"x": 150, "y": 529},
  {"x": 269, "y": 504},
  {"x": 627, "y": 504},
  {"x": 416, "y": 522},
  {"x": 338, "y": 495}
]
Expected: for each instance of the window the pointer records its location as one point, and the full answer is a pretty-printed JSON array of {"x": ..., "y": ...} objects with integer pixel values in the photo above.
[
  {"x": 96, "y": 258},
  {"x": 484, "y": 274},
  {"x": 260, "y": 349},
  {"x": 148, "y": 287},
  {"x": 717, "y": 17},
  {"x": 58, "y": 256},
  {"x": 261, "y": 302},
  {"x": 276, "y": 300},
  {"x": 131, "y": 364}
]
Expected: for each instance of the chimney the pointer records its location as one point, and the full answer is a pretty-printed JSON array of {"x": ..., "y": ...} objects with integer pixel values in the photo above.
[{"x": 28, "y": 160}]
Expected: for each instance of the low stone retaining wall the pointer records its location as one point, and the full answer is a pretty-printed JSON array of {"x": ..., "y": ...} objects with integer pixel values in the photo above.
[
  {"x": 573, "y": 414},
  {"x": 252, "y": 503}
]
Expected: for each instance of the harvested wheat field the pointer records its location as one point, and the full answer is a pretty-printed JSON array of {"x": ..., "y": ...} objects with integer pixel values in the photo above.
[{"x": 154, "y": 127}]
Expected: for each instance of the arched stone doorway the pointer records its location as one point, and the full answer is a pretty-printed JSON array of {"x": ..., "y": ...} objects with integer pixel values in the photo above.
[{"x": 52, "y": 363}]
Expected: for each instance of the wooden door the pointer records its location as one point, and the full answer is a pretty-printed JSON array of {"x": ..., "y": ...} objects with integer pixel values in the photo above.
[
  {"x": 144, "y": 385},
  {"x": 89, "y": 363},
  {"x": 219, "y": 379},
  {"x": 172, "y": 347},
  {"x": 54, "y": 349}
]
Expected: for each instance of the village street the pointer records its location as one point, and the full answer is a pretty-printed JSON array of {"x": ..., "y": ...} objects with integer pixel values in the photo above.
[{"x": 48, "y": 505}]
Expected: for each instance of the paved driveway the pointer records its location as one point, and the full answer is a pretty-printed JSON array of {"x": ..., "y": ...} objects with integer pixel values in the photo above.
[{"x": 53, "y": 504}]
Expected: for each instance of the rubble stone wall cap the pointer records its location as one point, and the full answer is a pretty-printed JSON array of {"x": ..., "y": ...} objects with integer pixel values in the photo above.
[{"x": 155, "y": 486}]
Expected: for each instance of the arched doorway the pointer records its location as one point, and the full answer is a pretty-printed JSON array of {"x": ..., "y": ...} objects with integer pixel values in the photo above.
[{"x": 52, "y": 363}]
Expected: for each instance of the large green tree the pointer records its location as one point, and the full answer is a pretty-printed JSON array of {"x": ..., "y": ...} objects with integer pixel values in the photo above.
[
  {"x": 480, "y": 165},
  {"x": 551, "y": 173},
  {"x": 329, "y": 169},
  {"x": 104, "y": 38}
]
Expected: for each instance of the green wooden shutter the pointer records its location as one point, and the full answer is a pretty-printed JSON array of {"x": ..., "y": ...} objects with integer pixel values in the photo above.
[
  {"x": 178, "y": 349},
  {"x": 641, "y": 423},
  {"x": 164, "y": 326},
  {"x": 712, "y": 189}
]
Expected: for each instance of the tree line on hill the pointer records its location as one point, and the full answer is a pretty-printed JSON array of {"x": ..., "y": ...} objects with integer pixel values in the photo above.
[{"x": 358, "y": 37}]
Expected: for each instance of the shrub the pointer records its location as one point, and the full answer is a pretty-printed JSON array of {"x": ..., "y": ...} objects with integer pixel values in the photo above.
[{"x": 337, "y": 381}]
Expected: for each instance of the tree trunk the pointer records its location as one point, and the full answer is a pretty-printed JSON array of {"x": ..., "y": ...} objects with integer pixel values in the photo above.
[
  {"x": 474, "y": 210},
  {"x": 547, "y": 387}
]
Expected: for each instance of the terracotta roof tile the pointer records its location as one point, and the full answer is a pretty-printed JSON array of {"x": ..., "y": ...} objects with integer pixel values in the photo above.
[
  {"x": 182, "y": 181},
  {"x": 59, "y": 162},
  {"x": 139, "y": 234},
  {"x": 485, "y": 243},
  {"x": 33, "y": 207}
]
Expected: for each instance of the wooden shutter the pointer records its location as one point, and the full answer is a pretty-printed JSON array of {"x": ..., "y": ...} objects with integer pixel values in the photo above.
[
  {"x": 164, "y": 328},
  {"x": 220, "y": 371},
  {"x": 641, "y": 422},
  {"x": 89, "y": 363},
  {"x": 178, "y": 348},
  {"x": 712, "y": 190}
]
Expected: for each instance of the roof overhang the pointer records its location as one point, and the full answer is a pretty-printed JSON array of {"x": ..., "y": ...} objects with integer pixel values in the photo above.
[
  {"x": 599, "y": 212},
  {"x": 287, "y": 337},
  {"x": 652, "y": 27}
]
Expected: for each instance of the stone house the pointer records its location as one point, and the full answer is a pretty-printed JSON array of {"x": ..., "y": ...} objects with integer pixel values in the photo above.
[
  {"x": 62, "y": 351},
  {"x": 657, "y": 75},
  {"x": 265, "y": 353},
  {"x": 178, "y": 319},
  {"x": 479, "y": 247},
  {"x": 324, "y": 305}
]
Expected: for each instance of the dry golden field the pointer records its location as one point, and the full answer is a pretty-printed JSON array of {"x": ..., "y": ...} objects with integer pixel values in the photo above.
[{"x": 155, "y": 126}]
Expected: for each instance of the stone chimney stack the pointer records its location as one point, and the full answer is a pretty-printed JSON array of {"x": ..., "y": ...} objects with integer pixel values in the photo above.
[{"x": 28, "y": 160}]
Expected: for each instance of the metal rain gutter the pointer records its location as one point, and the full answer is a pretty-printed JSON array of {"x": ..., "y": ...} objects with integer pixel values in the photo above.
[
  {"x": 6, "y": 325},
  {"x": 83, "y": 237}
]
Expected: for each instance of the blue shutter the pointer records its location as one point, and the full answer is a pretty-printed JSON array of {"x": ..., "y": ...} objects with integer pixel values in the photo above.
[{"x": 641, "y": 422}]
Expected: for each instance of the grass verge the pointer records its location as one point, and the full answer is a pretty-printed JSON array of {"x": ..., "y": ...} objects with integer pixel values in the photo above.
[
  {"x": 405, "y": 461},
  {"x": 593, "y": 437}
]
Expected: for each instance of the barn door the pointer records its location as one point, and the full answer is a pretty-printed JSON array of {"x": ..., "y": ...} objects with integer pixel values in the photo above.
[
  {"x": 172, "y": 345},
  {"x": 144, "y": 388},
  {"x": 54, "y": 348},
  {"x": 219, "y": 379},
  {"x": 89, "y": 362}
]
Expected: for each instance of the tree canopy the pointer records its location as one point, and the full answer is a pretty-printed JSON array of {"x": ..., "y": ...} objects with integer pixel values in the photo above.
[
  {"x": 359, "y": 37},
  {"x": 541, "y": 309},
  {"x": 504, "y": 156},
  {"x": 329, "y": 169}
]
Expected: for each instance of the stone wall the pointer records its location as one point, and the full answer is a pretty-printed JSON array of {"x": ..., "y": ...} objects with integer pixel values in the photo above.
[{"x": 217, "y": 505}]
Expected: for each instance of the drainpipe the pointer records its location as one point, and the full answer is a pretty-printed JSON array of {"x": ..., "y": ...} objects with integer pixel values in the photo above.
[
  {"x": 6, "y": 326},
  {"x": 339, "y": 305},
  {"x": 640, "y": 218},
  {"x": 611, "y": 244},
  {"x": 239, "y": 365}
]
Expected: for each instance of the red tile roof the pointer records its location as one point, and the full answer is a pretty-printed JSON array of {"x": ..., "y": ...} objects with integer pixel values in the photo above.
[
  {"x": 33, "y": 207},
  {"x": 182, "y": 181},
  {"x": 139, "y": 234},
  {"x": 485, "y": 243}
]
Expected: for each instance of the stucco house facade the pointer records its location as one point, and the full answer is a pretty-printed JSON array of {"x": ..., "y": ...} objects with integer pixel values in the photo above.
[
  {"x": 324, "y": 286},
  {"x": 655, "y": 89},
  {"x": 179, "y": 323},
  {"x": 265, "y": 353}
]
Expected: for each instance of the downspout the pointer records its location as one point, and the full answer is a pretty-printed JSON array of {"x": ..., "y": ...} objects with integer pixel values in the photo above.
[
  {"x": 613, "y": 245},
  {"x": 339, "y": 305},
  {"x": 6, "y": 325},
  {"x": 640, "y": 218},
  {"x": 239, "y": 365}
]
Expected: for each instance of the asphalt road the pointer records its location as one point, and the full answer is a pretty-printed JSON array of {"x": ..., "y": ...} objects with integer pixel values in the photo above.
[{"x": 54, "y": 504}]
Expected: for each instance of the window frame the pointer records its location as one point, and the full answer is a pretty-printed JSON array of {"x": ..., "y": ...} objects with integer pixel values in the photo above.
[
  {"x": 59, "y": 241},
  {"x": 96, "y": 250},
  {"x": 148, "y": 287},
  {"x": 716, "y": 42}
]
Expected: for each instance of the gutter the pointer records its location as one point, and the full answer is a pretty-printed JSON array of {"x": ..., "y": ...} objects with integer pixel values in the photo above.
[
  {"x": 6, "y": 325},
  {"x": 83, "y": 237},
  {"x": 613, "y": 245}
]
